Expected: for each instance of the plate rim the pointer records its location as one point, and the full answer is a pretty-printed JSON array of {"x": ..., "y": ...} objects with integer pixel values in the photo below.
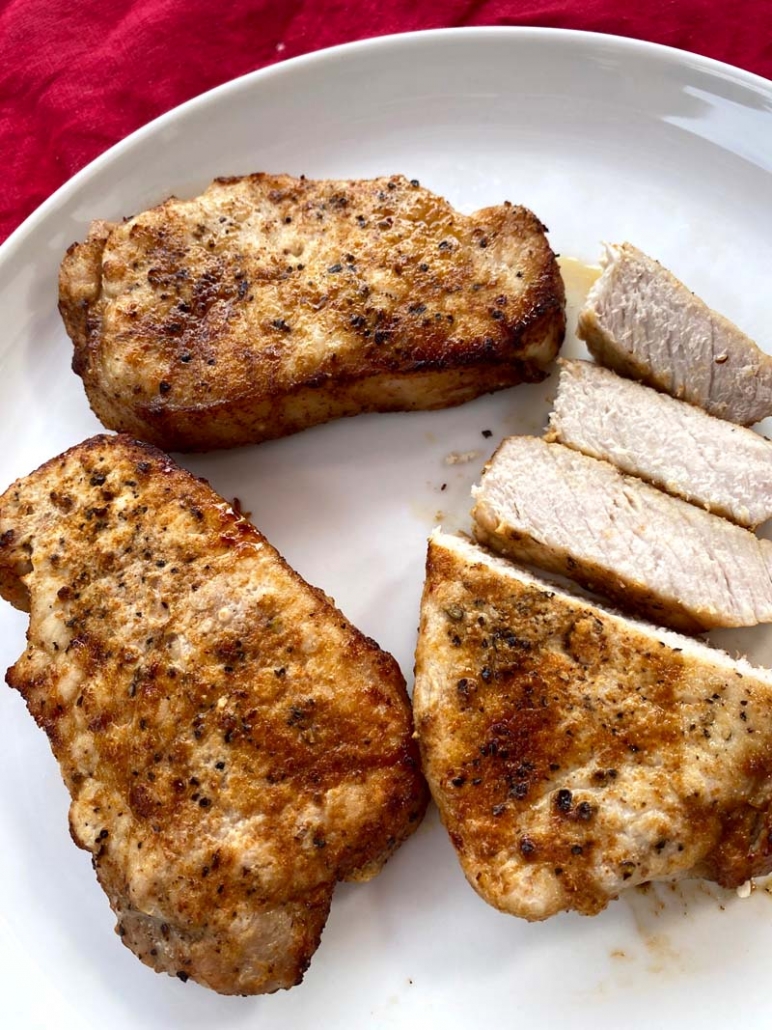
[
  {"x": 673, "y": 56},
  {"x": 595, "y": 43}
]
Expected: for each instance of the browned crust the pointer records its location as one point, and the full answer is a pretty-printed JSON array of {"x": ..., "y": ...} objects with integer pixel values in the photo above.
[
  {"x": 275, "y": 713},
  {"x": 257, "y": 417},
  {"x": 635, "y": 597},
  {"x": 206, "y": 337},
  {"x": 80, "y": 280},
  {"x": 525, "y": 700}
]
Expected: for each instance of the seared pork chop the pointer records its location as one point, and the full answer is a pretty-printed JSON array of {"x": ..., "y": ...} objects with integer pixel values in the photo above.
[
  {"x": 269, "y": 304},
  {"x": 550, "y": 506},
  {"x": 574, "y": 753},
  {"x": 232, "y": 744},
  {"x": 644, "y": 323},
  {"x": 716, "y": 465}
]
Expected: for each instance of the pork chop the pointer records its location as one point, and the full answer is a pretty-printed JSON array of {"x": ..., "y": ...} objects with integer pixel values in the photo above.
[
  {"x": 644, "y": 323},
  {"x": 550, "y": 506},
  {"x": 269, "y": 304},
  {"x": 233, "y": 746},
  {"x": 574, "y": 753},
  {"x": 716, "y": 465}
]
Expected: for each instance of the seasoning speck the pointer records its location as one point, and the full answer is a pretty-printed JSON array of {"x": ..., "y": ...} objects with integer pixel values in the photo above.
[
  {"x": 527, "y": 847},
  {"x": 564, "y": 800}
]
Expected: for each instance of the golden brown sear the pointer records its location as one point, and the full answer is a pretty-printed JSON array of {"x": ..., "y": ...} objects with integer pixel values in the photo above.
[
  {"x": 269, "y": 304},
  {"x": 232, "y": 744},
  {"x": 573, "y": 752}
]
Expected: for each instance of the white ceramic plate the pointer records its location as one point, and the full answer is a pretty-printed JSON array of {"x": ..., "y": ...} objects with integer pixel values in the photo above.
[{"x": 605, "y": 139}]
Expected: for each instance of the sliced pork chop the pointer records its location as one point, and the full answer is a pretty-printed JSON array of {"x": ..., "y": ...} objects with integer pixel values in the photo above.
[
  {"x": 644, "y": 323},
  {"x": 232, "y": 744},
  {"x": 574, "y": 753},
  {"x": 717, "y": 465},
  {"x": 550, "y": 506},
  {"x": 270, "y": 304}
]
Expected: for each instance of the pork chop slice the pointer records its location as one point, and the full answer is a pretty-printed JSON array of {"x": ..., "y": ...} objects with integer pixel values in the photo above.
[
  {"x": 574, "y": 753},
  {"x": 715, "y": 464},
  {"x": 547, "y": 505},
  {"x": 233, "y": 746},
  {"x": 644, "y": 323},
  {"x": 269, "y": 304}
]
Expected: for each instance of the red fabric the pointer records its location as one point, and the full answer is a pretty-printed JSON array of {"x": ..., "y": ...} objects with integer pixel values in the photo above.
[{"x": 77, "y": 76}]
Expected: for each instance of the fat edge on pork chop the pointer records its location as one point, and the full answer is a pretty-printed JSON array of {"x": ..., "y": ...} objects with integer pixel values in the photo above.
[
  {"x": 270, "y": 304},
  {"x": 573, "y": 752},
  {"x": 233, "y": 746}
]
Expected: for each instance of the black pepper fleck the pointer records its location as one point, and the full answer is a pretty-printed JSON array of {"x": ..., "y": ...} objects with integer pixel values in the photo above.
[
  {"x": 527, "y": 847},
  {"x": 564, "y": 800}
]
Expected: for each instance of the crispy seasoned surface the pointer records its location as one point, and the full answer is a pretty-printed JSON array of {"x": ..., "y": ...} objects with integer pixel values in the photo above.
[
  {"x": 573, "y": 752},
  {"x": 269, "y": 304},
  {"x": 232, "y": 744}
]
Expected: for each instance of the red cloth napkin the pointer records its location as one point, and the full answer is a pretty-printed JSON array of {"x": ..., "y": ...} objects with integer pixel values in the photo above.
[{"x": 77, "y": 77}]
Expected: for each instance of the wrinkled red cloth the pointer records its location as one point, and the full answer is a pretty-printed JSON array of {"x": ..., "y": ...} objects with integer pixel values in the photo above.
[{"x": 76, "y": 77}]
